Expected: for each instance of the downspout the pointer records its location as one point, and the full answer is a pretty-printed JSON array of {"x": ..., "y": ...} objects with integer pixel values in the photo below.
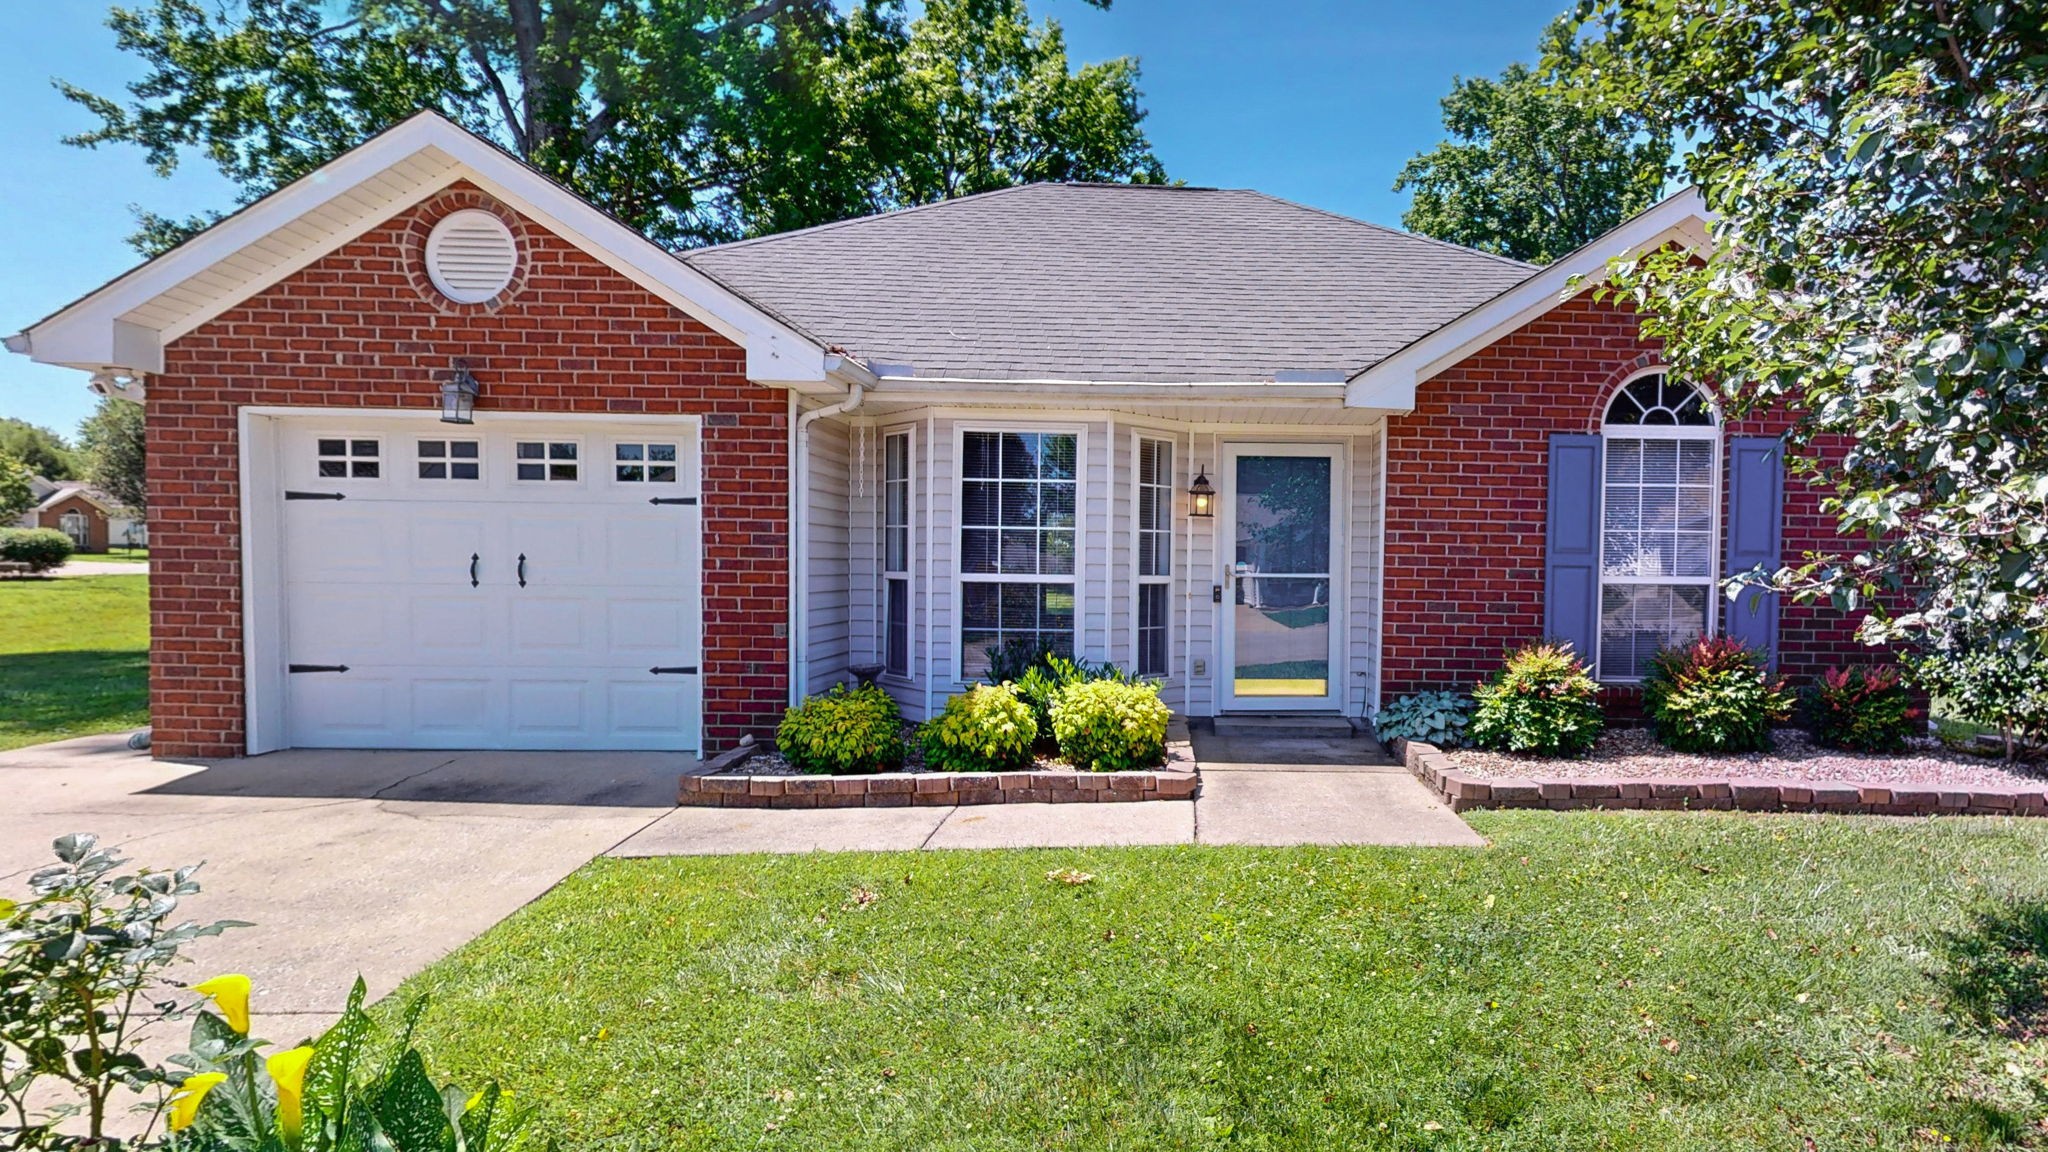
[{"x": 800, "y": 545}]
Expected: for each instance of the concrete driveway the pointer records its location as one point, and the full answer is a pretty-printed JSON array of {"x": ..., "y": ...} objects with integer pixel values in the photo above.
[{"x": 375, "y": 863}]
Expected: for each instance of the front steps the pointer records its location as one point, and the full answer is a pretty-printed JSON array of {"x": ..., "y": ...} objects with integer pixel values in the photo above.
[{"x": 1282, "y": 725}]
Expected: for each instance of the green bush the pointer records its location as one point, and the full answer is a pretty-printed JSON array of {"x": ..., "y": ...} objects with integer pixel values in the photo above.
[
  {"x": 1437, "y": 716},
  {"x": 39, "y": 548},
  {"x": 1714, "y": 695},
  {"x": 846, "y": 730},
  {"x": 1863, "y": 710},
  {"x": 1039, "y": 675},
  {"x": 1542, "y": 701},
  {"x": 984, "y": 729},
  {"x": 2003, "y": 687},
  {"x": 1106, "y": 726}
]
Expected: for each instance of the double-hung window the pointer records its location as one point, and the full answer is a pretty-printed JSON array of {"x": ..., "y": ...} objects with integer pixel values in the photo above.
[
  {"x": 1017, "y": 528},
  {"x": 896, "y": 553},
  {"x": 1659, "y": 496},
  {"x": 1155, "y": 554}
]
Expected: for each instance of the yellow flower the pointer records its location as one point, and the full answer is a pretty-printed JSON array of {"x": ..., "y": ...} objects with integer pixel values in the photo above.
[
  {"x": 185, "y": 1101},
  {"x": 231, "y": 994},
  {"x": 288, "y": 1072}
]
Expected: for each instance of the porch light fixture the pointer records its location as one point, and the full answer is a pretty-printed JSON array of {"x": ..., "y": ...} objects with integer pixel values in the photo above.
[
  {"x": 1203, "y": 495},
  {"x": 458, "y": 396}
]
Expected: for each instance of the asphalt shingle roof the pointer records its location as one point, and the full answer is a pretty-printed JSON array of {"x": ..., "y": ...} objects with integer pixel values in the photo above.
[{"x": 1114, "y": 283}]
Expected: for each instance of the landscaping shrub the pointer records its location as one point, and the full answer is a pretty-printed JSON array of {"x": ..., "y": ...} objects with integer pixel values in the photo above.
[
  {"x": 2003, "y": 687},
  {"x": 1863, "y": 710},
  {"x": 1438, "y": 716},
  {"x": 1039, "y": 675},
  {"x": 39, "y": 548},
  {"x": 1542, "y": 701},
  {"x": 845, "y": 730},
  {"x": 1106, "y": 726},
  {"x": 984, "y": 729},
  {"x": 1714, "y": 695}
]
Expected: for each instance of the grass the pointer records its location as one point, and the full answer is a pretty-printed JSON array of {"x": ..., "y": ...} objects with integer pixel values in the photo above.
[
  {"x": 1657, "y": 981},
  {"x": 115, "y": 556},
  {"x": 74, "y": 657}
]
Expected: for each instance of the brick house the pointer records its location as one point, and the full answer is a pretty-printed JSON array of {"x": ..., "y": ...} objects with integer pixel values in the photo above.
[
  {"x": 94, "y": 520},
  {"x": 442, "y": 456}
]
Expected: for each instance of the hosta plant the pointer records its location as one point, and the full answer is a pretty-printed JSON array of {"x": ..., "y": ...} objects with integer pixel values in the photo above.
[
  {"x": 984, "y": 729},
  {"x": 844, "y": 730},
  {"x": 1542, "y": 701},
  {"x": 1105, "y": 726},
  {"x": 1864, "y": 710},
  {"x": 1714, "y": 695},
  {"x": 1437, "y": 716}
]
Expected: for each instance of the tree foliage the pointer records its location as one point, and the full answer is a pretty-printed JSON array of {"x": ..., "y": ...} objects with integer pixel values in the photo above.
[
  {"x": 16, "y": 494},
  {"x": 111, "y": 440},
  {"x": 695, "y": 121},
  {"x": 1880, "y": 173},
  {"x": 45, "y": 452},
  {"x": 1537, "y": 165}
]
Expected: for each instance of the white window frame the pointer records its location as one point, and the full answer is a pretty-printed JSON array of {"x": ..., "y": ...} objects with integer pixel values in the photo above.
[
  {"x": 1169, "y": 481},
  {"x": 350, "y": 459},
  {"x": 961, "y": 579},
  {"x": 547, "y": 460},
  {"x": 645, "y": 464},
  {"x": 908, "y": 434},
  {"x": 449, "y": 460},
  {"x": 1712, "y": 582}
]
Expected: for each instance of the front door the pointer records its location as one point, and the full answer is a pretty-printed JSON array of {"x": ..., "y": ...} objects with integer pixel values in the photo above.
[{"x": 1282, "y": 611}]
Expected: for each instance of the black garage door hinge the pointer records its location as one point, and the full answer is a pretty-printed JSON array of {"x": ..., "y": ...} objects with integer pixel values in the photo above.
[
  {"x": 316, "y": 667},
  {"x": 290, "y": 495},
  {"x": 673, "y": 500},
  {"x": 679, "y": 670}
]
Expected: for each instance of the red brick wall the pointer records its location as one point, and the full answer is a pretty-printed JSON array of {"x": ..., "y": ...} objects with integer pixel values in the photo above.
[
  {"x": 363, "y": 328},
  {"x": 1466, "y": 484},
  {"x": 95, "y": 520}
]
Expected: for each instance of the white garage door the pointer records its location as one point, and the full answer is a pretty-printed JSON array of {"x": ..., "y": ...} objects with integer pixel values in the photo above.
[{"x": 510, "y": 584}]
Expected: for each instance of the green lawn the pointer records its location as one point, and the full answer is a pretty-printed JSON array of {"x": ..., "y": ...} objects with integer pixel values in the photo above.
[
  {"x": 74, "y": 657},
  {"x": 1649, "y": 981}
]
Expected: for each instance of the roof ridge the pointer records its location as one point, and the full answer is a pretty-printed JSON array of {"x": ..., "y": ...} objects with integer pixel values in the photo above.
[
  {"x": 688, "y": 255},
  {"x": 1396, "y": 232}
]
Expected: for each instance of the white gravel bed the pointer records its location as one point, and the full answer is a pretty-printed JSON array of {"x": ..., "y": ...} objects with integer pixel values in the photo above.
[{"x": 1634, "y": 754}]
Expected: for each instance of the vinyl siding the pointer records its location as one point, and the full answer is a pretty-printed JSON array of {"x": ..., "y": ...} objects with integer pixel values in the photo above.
[{"x": 829, "y": 579}]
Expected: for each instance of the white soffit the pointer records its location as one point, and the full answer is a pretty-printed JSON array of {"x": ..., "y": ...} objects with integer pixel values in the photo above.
[
  {"x": 1680, "y": 219},
  {"x": 125, "y": 323}
]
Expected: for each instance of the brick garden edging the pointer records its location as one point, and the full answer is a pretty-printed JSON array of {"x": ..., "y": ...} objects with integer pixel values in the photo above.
[
  {"x": 1464, "y": 791},
  {"x": 1178, "y": 779}
]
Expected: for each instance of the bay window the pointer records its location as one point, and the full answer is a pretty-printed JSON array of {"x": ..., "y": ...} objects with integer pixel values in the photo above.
[
  {"x": 896, "y": 553},
  {"x": 1155, "y": 554},
  {"x": 1018, "y": 494}
]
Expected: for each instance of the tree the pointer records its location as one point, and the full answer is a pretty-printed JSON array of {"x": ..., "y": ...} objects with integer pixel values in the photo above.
[
  {"x": 112, "y": 442},
  {"x": 1536, "y": 165},
  {"x": 1880, "y": 174},
  {"x": 695, "y": 121},
  {"x": 45, "y": 452},
  {"x": 16, "y": 494}
]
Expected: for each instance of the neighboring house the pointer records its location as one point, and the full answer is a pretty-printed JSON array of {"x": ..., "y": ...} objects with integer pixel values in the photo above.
[
  {"x": 698, "y": 486},
  {"x": 94, "y": 520}
]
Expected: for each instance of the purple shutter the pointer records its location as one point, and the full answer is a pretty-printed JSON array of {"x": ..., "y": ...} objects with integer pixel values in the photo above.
[
  {"x": 1756, "y": 501},
  {"x": 1571, "y": 557}
]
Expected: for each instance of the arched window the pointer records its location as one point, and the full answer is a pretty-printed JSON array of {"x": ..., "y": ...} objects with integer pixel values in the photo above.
[{"x": 1659, "y": 522}]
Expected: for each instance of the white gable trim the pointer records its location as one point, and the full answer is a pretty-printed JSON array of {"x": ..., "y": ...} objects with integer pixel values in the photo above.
[
  {"x": 1680, "y": 219},
  {"x": 96, "y": 333}
]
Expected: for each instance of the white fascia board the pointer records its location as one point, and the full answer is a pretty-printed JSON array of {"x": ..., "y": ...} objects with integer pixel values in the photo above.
[
  {"x": 1682, "y": 219},
  {"x": 90, "y": 334}
]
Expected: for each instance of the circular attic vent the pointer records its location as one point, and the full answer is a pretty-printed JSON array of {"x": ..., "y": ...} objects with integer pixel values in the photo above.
[{"x": 471, "y": 256}]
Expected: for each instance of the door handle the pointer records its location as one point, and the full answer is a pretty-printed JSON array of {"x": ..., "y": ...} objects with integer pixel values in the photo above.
[
  {"x": 522, "y": 569},
  {"x": 473, "y": 558}
]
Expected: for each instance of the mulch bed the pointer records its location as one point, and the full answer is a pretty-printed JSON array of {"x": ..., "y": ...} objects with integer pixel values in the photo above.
[{"x": 1634, "y": 754}]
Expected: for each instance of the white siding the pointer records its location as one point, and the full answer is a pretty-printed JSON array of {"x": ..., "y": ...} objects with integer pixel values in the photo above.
[{"x": 829, "y": 581}]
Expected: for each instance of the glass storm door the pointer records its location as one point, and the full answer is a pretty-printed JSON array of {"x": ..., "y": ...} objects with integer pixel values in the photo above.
[{"x": 1279, "y": 634}]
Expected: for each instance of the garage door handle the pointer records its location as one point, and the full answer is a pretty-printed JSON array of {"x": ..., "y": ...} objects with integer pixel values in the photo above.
[
  {"x": 316, "y": 668},
  {"x": 522, "y": 569},
  {"x": 680, "y": 670},
  {"x": 473, "y": 558}
]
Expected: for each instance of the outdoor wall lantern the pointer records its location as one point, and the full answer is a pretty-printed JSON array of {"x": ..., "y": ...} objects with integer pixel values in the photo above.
[
  {"x": 458, "y": 396},
  {"x": 1203, "y": 495}
]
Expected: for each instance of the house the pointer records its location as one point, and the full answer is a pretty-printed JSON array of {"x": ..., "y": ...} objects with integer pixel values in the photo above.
[
  {"x": 443, "y": 456},
  {"x": 94, "y": 520}
]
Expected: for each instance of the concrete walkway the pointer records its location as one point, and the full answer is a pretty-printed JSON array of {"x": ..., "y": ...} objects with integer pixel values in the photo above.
[{"x": 101, "y": 568}]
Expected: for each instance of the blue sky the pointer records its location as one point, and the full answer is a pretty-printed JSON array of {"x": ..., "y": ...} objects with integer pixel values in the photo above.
[{"x": 1319, "y": 101}]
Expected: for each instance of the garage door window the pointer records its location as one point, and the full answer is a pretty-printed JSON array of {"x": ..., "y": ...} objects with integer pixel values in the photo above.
[
  {"x": 546, "y": 460},
  {"x": 645, "y": 463},
  {"x": 450, "y": 460},
  {"x": 348, "y": 459}
]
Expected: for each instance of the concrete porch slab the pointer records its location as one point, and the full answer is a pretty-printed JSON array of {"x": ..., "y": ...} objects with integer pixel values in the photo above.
[{"x": 1324, "y": 807}]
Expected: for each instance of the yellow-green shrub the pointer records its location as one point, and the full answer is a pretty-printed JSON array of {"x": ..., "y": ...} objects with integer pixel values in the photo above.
[
  {"x": 843, "y": 731},
  {"x": 1104, "y": 726},
  {"x": 984, "y": 729}
]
